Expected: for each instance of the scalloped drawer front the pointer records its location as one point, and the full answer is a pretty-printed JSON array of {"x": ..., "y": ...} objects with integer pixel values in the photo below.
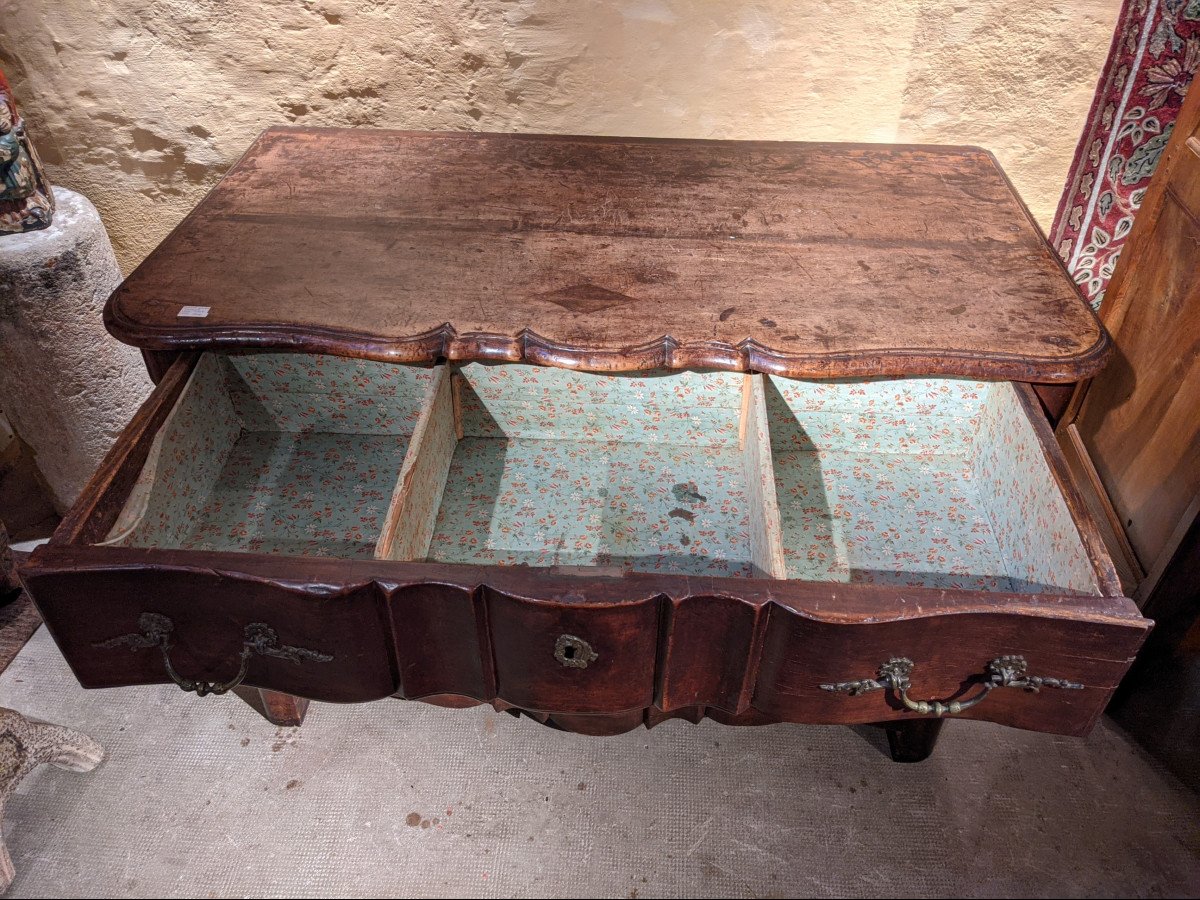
[
  {"x": 323, "y": 643},
  {"x": 573, "y": 657},
  {"x": 804, "y": 659}
]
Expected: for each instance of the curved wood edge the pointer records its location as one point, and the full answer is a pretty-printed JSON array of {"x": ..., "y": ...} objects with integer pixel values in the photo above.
[
  {"x": 664, "y": 352},
  {"x": 661, "y": 644},
  {"x": 828, "y": 602}
]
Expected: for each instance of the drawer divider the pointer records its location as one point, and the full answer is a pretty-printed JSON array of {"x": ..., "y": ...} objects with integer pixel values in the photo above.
[
  {"x": 412, "y": 513},
  {"x": 766, "y": 528}
]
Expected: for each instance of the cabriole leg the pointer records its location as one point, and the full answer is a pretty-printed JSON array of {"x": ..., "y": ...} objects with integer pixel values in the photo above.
[
  {"x": 278, "y": 709},
  {"x": 912, "y": 740}
]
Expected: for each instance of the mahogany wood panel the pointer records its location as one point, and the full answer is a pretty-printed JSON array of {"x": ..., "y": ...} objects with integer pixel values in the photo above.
[
  {"x": 741, "y": 650},
  {"x": 622, "y": 635},
  {"x": 210, "y": 603},
  {"x": 441, "y": 641},
  {"x": 807, "y": 260},
  {"x": 699, "y": 671},
  {"x": 1135, "y": 431},
  {"x": 950, "y": 656},
  {"x": 1140, "y": 422}
]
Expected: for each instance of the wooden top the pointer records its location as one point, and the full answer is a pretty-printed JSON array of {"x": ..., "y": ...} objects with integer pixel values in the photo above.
[{"x": 613, "y": 254}]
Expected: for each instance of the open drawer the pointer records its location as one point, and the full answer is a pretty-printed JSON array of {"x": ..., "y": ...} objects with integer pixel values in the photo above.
[{"x": 590, "y": 545}]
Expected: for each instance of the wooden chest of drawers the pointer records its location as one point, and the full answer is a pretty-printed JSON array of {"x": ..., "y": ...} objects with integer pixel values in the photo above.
[{"x": 606, "y": 431}]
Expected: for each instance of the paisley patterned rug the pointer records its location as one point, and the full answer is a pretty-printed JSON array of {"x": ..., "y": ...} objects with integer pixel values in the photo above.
[{"x": 1155, "y": 51}]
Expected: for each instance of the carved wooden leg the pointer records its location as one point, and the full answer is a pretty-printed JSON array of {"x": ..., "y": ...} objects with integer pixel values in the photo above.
[
  {"x": 278, "y": 709},
  {"x": 912, "y": 740}
]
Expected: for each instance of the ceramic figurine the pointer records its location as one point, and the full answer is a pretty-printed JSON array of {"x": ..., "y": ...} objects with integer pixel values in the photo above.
[{"x": 26, "y": 201}]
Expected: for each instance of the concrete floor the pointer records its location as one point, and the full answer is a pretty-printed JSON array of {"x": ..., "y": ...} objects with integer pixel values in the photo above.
[{"x": 203, "y": 798}]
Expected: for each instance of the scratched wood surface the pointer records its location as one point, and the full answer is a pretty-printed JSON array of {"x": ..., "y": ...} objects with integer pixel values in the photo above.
[{"x": 807, "y": 260}]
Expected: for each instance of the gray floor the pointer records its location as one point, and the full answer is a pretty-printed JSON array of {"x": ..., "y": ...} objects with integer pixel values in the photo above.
[{"x": 202, "y": 797}]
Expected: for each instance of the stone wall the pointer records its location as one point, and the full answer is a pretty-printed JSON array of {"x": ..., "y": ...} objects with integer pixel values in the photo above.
[{"x": 142, "y": 104}]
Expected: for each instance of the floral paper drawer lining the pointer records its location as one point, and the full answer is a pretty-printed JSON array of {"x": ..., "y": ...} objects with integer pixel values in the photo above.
[{"x": 935, "y": 482}]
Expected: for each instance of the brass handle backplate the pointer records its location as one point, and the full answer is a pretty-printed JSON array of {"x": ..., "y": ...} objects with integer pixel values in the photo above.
[
  {"x": 257, "y": 639},
  {"x": 1002, "y": 672}
]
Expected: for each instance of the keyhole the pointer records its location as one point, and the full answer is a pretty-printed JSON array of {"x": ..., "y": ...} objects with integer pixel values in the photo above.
[{"x": 574, "y": 652}]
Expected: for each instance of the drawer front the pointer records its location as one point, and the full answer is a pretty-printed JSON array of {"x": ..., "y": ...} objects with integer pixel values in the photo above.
[
  {"x": 757, "y": 651},
  {"x": 545, "y": 650},
  {"x": 440, "y": 638},
  {"x": 771, "y": 651},
  {"x": 208, "y": 628},
  {"x": 573, "y": 657},
  {"x": 536, "y": 651},
  {"x": 823, "y": 672}
]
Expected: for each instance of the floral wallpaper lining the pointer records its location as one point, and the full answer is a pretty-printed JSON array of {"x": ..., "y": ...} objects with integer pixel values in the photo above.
[
  {"x": 640, "y": 472},
  {"x": 298, "y": 392},
  {"x": 188, "y": 455},
  {"x": 936, "y": 482},
  {"x": 1030, "y": 519},
  {"x": 919, "y": 482},
  {"x": 277, "y": 453},
  {"x": 693, "y": 408},
  {"x": 300, "y": 494},
  {"x": 636, "y": 507}
]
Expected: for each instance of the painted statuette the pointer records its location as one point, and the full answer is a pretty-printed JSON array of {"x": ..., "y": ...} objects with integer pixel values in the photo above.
[{"x": 26, "y": 200}]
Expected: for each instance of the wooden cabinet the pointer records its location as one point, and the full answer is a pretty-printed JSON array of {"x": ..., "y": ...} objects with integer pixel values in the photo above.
[
  {"x": 606, "y": 431},
  {"x": 1132, "y": 437},
  {"x": 1132, "y": 432}
]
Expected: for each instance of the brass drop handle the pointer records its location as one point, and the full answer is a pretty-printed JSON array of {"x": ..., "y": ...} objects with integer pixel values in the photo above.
[
  {"x": 257, "y": 639},
  {"x": 204, "y": 688},
  {"x": 1002, "y": 672}
]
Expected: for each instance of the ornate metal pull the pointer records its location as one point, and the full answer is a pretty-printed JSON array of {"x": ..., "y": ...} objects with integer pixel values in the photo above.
[
  {"x": 574, "y": 652},
  {"x": 258, "y": 639},
  {"x": 1002, "y": 672}
]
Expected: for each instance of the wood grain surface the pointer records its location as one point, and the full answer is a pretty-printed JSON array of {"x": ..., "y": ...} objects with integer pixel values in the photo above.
[
  {"x": 614, "y": 254},
  {"x": 743, "y": 650},
  {"x": 1135, "y": 426}
]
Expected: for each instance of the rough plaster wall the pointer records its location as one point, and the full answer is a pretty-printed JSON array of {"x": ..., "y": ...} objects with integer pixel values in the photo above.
[{"x": 142, "y": 105}]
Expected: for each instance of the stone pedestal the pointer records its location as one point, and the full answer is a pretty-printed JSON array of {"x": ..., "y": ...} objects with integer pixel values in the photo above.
[{"x": 67, "y": 387}]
